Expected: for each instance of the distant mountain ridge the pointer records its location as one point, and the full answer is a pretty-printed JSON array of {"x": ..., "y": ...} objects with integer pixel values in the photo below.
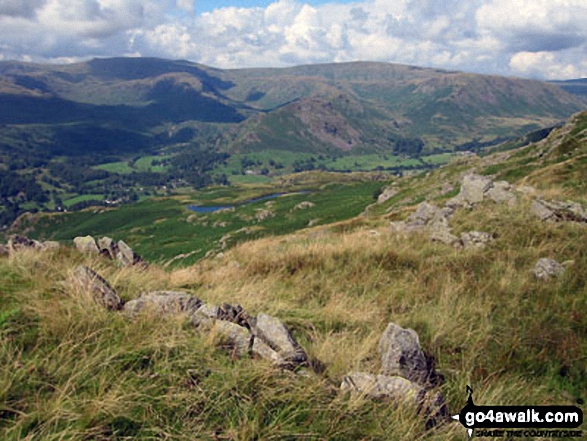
[{"x": 335, "y": 108}]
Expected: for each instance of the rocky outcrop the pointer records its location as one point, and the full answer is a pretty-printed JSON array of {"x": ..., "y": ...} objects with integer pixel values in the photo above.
[
  {"x": 502, "y": 193},
  {"x": 407, "y": 376},
  {"x": 86, "y": 244},
  {"x": 556, "y": 211},
  {"x": 101, "y": 291},
  {"x": 546, "y": 269},
  {"x": 475, "y": 188},
  {"x": 17, "y": 243}
]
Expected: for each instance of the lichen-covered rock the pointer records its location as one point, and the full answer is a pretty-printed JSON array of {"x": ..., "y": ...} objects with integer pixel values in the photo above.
[
  {"x": 163, "y": 302},
  {"x": 108, "y": 247},
  {"x": 541, "y": 211},
  {"x": 476, "y": 239},
  {"x": 237, "y": 338},
  {"x": 276, "y": 335},
  {"x": 501, "y": 193},
  {"x": 473, "y": 190},
  {"x": 548, "y": 268},
  {"x": 235, "y": 314},
  {"x": 86, "y": 244},
  {"x": 205, "y": 316},
  {"x": 127, "y": 257},
  {"x": 101, "y": 291},
  {"x": 424, "y": 214},
  {"x": 402, "y": 355}
]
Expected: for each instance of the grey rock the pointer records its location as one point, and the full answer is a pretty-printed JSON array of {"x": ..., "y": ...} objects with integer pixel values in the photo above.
[
  {"x": 127, "y": 257},
  {"x": 443, "y": 235},
  {"x": 304, "y": 205},
  {"x": 50, "y": 245},
  {"x": 238, "y": 339},
  {"x": 473, "y": 190},
  {"x": 424, "y": 214},
  {"x": 86, "y": 244},
  {"x": 101, "y": 291},
  {"x": 264, "y": 351},
  {"x": 501, "y": 193},
  {"x": 541, "y": 211},
  {"x": 108, "y": 247},
  {"x": 547, "y": 268},
  {"x": 163, "y": 302},
  {"x": 400, "y": 391},
  {"x": 382, "y": 386},
  {"x": 387, "y": 194},
  {"x": 276, "y": 335},
  {"x": 402, "y": 355},
  {"x": 476, "y": 239},
  {"x": 235, "y": 314},
  {"x": 205, "y": 316}
]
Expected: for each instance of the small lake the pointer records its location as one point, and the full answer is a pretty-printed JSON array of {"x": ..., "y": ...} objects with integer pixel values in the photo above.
[{"x": 213, "y": 208}]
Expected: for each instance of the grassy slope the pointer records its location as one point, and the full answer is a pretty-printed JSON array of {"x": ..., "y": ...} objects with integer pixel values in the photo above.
[{"x": 73, "y": 371}]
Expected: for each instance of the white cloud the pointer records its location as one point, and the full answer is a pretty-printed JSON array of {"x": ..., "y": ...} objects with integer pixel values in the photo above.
[{"x": 540, "y": 38}]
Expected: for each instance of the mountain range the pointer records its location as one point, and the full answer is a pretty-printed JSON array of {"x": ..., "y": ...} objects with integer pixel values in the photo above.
[{"x": 123, "y": 105}]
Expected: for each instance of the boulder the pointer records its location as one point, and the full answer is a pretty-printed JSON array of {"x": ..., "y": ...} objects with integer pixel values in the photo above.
[
  {"x": 475, "y": 239},
  {"x": 402, "y": 355},
  {"x": 424, "y": 214},
  {"x": 541, "y": 211},
  {"x": 237, "y": 338},
  {"x": 304, "y": 205},
  {"x": 443, "y": 235},
  {"x": 127, "y": 257},
  {"x": 101, "y": 291},
  {"x": 387, "y": 194},
  {"x": 108, "y": 248},
  {"x": 86, "y": 244},
  {"x": 163, "y": 302},
  {"x": 501, "y": 193},
  {"x": 276, "y": 335},
  {"x": 51, "y": 245},
  {"x": 473, "y": 190},
  {"x": 547, "y": 268}
]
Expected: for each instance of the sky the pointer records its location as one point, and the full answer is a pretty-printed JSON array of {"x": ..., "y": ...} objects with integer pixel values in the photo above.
[{"x": 544, "y": 39}]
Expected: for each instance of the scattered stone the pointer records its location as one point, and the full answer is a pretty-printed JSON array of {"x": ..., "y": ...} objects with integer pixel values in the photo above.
[
  {"x": 102, "y": 292},
  {"x": 387, "y": 194},
  {"x": 262, "y": 215},
  {"x": 239, "y": 339},
  {"x": 163, "y": 302},
  {"x": 501, "y": 193},
  {"x": 443, "y": 235},
  {"x": 108, "y": 248},
  {"x": 127, "y": 257},
  {"x": 475, "y": 239},
  {"x": 304, "y": 205},
  {"x": 276, "y": 335},
  {"x": 86, "y": 244},
  {"x": 402, "y": 355},
  {"x": 547, "y": 268}
]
